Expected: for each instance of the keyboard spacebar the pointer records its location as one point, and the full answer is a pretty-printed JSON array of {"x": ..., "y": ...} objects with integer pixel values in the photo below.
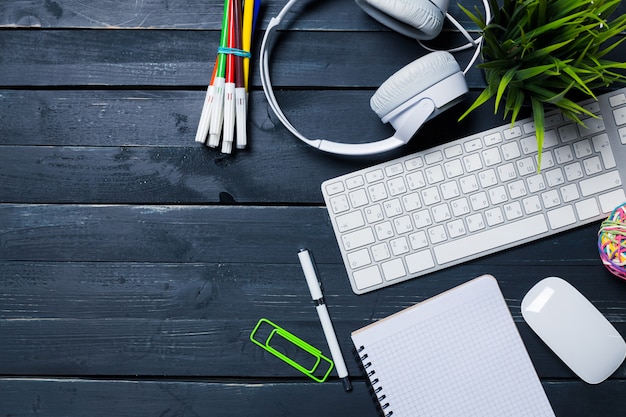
[{"x": 476, "y": 243}]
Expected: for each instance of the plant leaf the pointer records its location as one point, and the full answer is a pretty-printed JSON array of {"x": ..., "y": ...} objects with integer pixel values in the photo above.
[
  {"x": 486, "y": 94},
  {"x": 504, "y": 82},
  {"x": 540, "y": 129}
]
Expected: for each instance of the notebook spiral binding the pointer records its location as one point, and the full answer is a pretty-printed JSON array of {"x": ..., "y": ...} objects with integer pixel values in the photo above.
[{"x": 374, "y": 382}]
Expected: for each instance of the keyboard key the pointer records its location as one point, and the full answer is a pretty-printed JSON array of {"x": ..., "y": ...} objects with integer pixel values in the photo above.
[
  {"x": 573, "y": 171},
  {"x": 555, "y": 177},
  {"x": 350, "y": 221},
  {"x": 550, "y": 198},
  {"x": 437, "y": 234},
  {"x": 354, "y": 182},
  {"x": 526, "y": 166},
  {"x": 592, "y": 165},
  {"x": 399, "y": 246},
  {"x": 419, "y": 261},
  {"x": 395, "y": 169},
  {"x": 431, "y": 196},
  {"x": 569, "y": 193},
  {"x": 487, "y": 178},
  {"x": 535, "y": 183},
  {"x": 411, "y": 202},
  {"x": 381, "y": 252},
  {"x": 450, "y": 190},
  {"x": 513, "y": 210},
  {"x": 475, "y": 222},
  {"x": 512, "y": 132},
  {"x": 506, "y": 172},
  {"x": 393, "y": 269},
  {"x": 393, "y": 207},
  {"x": 563, "y": 154},
  {"x": 492, "y": 139},
  {"x": 403, "y": 224},
  {"x": 377, "y": 192},
  {"x": 414, "y": 163},
  {"x": 491, "y": 156},
  {"x": 460, "y": 207},
  {"x": 358, "y": 239},
  {"x": 529, "y": 145},
  {"x": 473, "y": 145},
  {"x": 433, "y": 157},
  {"x": 593, "y": 107},
  {"x": 339, "y": 204},
  {"x": 472, "y": 162},
  {"x": 434, "y": 174},
  {"x": 476, "y": 243},
  {"x": 396, "y": 186},
  {"x": 620, "y": 116},
  {"x": 334, "y": 188},
  {"x": 384, "y": 230},
  {"x": 517, "y": 189},
  {"x": 510, "y": 151},
  {"x": 553, "y": 120},
  {"x": 562, "y": 216},
  {"x": 532, "y": 204},
  {"x": 600, "y": 183},
  {"x": 587, "y": 209},
  {"x": 469, "y": 184},
  {"x": 374, "y": 176},
  {"x": 441, "y": 213},
  {"x": 611, "y": 200},
  {"x": 453, "y": 151},
  {"x": 453, "y": 168},
  {"x": 601, "y": 144},
  {"x": 568, "y": 133},
  {"x": 374, "y": 213},
  {"x": 582, "y": 148},
  {"x": 418, "y": 240},
  {"x": 617, "y": 100},
  {"x": 416, "y": 180},
  {"x": 367, "y": 277},
  {"x": 358, "y": 198},
  {"x": 595, "y": 125},
  {"x": 422, "y": 219},
  {"x": 359, "y": 258},
  {"x": 494, "y": 216},
  {"x": 456, "y": 228}
]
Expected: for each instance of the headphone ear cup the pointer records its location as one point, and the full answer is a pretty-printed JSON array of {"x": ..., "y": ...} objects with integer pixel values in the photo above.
[
  {"x": 419, "y": 19},
  {"x": 412, "y": 80}
]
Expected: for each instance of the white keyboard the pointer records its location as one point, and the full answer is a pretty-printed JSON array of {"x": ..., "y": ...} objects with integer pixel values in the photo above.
[{"x": 478, "y": 195}]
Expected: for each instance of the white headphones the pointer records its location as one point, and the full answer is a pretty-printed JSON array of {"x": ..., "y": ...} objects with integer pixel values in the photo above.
[{"x": 410, "y": 97}]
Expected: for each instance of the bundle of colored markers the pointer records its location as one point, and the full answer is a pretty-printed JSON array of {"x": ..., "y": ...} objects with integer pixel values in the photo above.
[{"x": 224, "y": 113}]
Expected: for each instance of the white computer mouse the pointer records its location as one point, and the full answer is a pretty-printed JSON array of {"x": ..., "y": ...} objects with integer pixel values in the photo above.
[{"x": 574, "y": 329}]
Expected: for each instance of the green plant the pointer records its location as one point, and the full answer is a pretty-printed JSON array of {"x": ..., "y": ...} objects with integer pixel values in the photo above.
[{"x": 541, "y": 52}]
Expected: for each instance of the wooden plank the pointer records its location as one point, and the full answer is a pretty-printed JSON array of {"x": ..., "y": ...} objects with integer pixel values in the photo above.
[
  {"x": 182, "y": 14},
  {"x": 138, "y": 146},
  {"x": 132, "y": 398},
  {"x": 194, "y": 319},
  {"x": 228, "y": 234},
  {"x": 128, "y": 398},
  {"x": 156, "y": 118},
  {"x": 185, "y": 58}
]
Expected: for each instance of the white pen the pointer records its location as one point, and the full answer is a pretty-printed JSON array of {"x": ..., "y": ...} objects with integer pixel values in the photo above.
[{"x": 327, "y": 325}]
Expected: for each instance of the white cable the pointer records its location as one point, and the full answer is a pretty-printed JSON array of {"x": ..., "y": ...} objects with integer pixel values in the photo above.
[{"x": 472, "y": 43}]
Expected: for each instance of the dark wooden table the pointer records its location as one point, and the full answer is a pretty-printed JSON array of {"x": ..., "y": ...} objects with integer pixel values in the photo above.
[{"x": 134, "y": 263}]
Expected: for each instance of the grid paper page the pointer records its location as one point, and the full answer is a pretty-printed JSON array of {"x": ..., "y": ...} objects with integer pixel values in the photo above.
[{"x": 458, "y": 354}]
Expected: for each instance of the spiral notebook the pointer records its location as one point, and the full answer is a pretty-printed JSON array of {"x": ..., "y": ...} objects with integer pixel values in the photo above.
[{"x": 456, "y": 354}]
